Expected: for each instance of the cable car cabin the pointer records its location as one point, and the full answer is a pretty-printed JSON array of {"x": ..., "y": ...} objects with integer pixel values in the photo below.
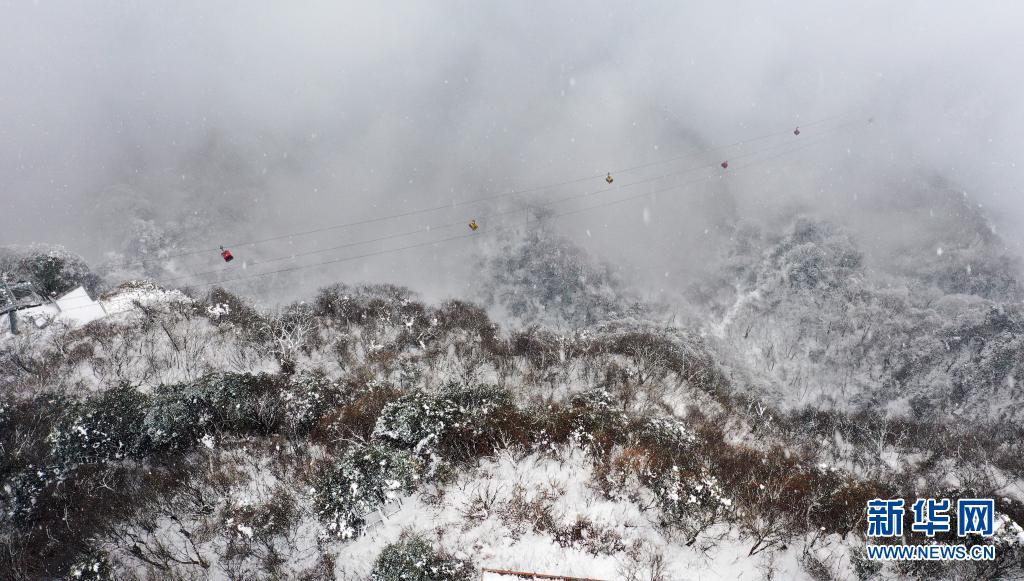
[
  {"x": 725, "y": 164},
  {"x": 796, "y": 131},
  {"x": 473, "y": 225},
  {"x": 226, "y": 254},
  {"x": 609, "y": 179}
]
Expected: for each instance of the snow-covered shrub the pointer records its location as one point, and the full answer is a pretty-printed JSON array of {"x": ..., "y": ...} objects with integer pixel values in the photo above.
[
  {"x": 183, "y": 413},
  {"x": 289, "y": 334},
  {"x": 637, "y": 357},
  {"x": 539, "y": 347},
  {"x": 22, "y": 491},
  {"x": 377, "y": 321},
  {"x": 363, "y": 480},
  {"x": 456, "y": 423},
  {"x": 668, "y": 433},
  {"x": 596, "y": 539},
  {"x": 218, "y": 310},
  {"x": 175, "y": 420},
  {"x": 462, "y": 316},
  {"x": 415, "y": 423},
  {"x": 690, "y": 504},
  {"x": 456, "y": 314},
  {"x": 530, "y": 510},
  {"x": 308, "y": 397},
  {"x": 27, "y": 366},
  {"x": 412, "y": 558},
  {"x": 26, "y": 467},
  {"x": 108, "y": 426},
  {"x": 91, "y": 566},
  {"x": 865, "y": 569},
  {"x": 356, "y": 418},
  {"x": 838, "y": 500},
  {"x": 651, "y": 355},
  {"x": 653, "y": 446},
  {"x": 593, "y": 421},
  {"x": 242, "y": 401},
  {"x": 484, "y": 417},
  {"x": 10, "y": 431},
  {"x": 341, "y": 303},
  {"x": 409, "y": 372},
  {"x": 666, "y": 441},
  {"x": 464, "y": 339},
  {"x": 265, "y": 520},
  {"x": 374, "y": 306},
  {"x": 773, "y": 492},
  {"x": 225, "y": 307},
  {"x": 623, "y": 474}
]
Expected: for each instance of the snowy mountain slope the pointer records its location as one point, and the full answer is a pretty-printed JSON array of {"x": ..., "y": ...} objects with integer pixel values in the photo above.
[
  {"x": 365, "y": 434},
  {"x": 829, "y": 331}
]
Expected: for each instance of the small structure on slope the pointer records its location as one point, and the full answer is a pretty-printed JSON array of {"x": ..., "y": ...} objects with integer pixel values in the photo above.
[{"x": 21, "y": 304}]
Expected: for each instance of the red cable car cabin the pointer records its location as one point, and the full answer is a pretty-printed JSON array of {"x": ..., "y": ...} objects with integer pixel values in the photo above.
[
  {"x": 226, "y": 254},
  {"x": 725, "y": 164}
]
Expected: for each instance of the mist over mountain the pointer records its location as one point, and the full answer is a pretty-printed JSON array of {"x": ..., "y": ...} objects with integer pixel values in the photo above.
[{"x": 391, "y": 292}]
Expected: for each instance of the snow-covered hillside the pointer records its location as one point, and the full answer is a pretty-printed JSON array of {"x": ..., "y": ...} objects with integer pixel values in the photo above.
[{"x": 364, "y": 434}]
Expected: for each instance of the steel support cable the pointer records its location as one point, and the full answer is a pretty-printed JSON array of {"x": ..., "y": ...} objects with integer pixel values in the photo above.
[
  {"x": 408, "y": 213},
  {"x": 473, "y": 234},
  {"x": 430, "y": 228}
]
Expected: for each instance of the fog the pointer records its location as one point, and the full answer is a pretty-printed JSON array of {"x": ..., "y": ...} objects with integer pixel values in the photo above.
[{"x": 239, "y": 121}]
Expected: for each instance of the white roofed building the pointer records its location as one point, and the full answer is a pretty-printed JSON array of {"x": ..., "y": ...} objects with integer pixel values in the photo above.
[{"x": 27, "y": 307}]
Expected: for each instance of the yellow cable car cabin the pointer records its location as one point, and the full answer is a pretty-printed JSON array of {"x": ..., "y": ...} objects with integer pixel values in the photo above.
[
  {"x": 609, "y": 179},
  {"x": 473, "y": 225}
]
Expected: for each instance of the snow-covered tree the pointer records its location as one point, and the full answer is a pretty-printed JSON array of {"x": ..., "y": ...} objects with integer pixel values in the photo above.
[{"x": 52, "y": 270}]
